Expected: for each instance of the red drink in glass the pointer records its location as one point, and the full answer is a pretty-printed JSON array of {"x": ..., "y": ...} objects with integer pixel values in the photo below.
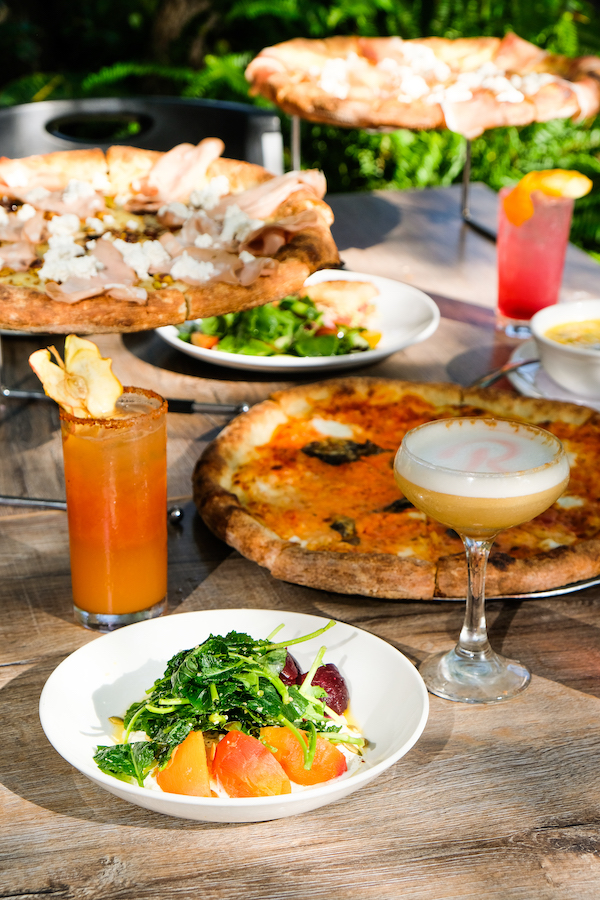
[{"x": 531, "y": 258}]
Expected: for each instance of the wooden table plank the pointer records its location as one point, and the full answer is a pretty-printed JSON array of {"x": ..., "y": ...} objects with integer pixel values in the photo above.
[{"x": 498, "y": 802}]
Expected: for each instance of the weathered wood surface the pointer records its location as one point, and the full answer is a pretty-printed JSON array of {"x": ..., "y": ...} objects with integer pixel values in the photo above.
[{"x": 497, "y": 802}]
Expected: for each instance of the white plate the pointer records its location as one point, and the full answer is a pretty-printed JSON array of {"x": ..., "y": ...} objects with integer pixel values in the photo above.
[
  {"x": 404, "y": 316},
  {"x": 534, "y": 381},
  {"x": 389, "y": 702}
]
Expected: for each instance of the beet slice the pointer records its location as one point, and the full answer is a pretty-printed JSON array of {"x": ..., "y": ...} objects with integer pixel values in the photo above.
[{"x": 332, "y": 681}]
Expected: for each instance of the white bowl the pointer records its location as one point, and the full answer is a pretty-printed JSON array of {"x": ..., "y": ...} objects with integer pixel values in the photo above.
[
  {"x": 404, "y": 315},
  {"x": 575, "y": 368},
  {"x": 387, "y": 695}
]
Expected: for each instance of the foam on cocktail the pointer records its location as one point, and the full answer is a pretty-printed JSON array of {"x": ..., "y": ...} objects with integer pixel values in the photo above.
[{"x": 490, "y": 458}]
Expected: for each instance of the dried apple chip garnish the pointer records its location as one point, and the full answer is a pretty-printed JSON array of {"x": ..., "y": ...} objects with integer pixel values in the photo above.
[
  {"x": 518, "y": 205},
  {"x": 83, "y": 384}
]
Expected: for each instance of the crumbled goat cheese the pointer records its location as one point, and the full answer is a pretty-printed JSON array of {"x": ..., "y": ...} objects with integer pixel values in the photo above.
[
  {"x": 176, "y": 208},
  {"x": 65, "y": 258},
  {"x": 35, "y": 195},
  {"x": 208, "y": 197},
  {"x": 101, "y": 183},
  {"x": 64, "y": 225},
  {"x": 141, "y": 256},
  {"x": 25, "y": 213},
  {"x": 95, "y": 224},
  {"x": 77, "y": 190},
  {"x": 187, "y": 267},
  {"x": 334, "y": 78},
  {"x": 108, "y": 220},
  {"x": 237, "y": 225},
  {"x": 203, "y": 241},
  {"x": 132, "y": 225},
  {"x": 246, "y": 257}
]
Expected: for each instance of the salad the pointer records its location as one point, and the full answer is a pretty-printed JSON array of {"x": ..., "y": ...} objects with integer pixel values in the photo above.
[
  {"x": 235, "y": 717},
  {"x": 293, "y": 326}
]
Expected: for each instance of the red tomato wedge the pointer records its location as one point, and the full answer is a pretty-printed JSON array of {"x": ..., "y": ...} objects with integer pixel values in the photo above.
[
  {"x": 328, "y": 763},
  {"x": 187, "y": 770},
  {"x": 245, "y": 768}
]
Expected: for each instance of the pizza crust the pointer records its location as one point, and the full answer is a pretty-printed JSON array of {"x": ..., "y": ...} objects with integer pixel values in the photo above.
[
  {"x": 343, "y": 81},
  {"x": 378, "y": 574},
  {"x": 25, "y": 307}
]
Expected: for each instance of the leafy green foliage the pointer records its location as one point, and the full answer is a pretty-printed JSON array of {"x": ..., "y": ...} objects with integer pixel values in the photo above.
[
  {"x": 226, "y": 682},
  {"x": 289, "y": 327}
]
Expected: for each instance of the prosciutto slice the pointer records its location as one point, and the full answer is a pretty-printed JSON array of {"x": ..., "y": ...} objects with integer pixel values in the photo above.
[
  {"x": 33, "y": 229},
  {"x": 266, "y": 241},
  {"x": 116, "y": 279},
  {"x": 227, "y": 267},
  {"x": 176, "y": 174},
  {"x": 261, "y": 201},
  {"x": 18, "y": 255}
]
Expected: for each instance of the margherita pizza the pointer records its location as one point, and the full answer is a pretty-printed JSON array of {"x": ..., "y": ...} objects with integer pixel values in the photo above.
[
  {"x": 466, "y": 85},
  {"x": 135, "y": 239},
  {"x": 303, "y": 484}
]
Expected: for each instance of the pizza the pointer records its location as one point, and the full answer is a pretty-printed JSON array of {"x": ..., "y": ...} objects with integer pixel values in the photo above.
[
  {"x": 135, "y": 239},
  {"x": 466, "y": 85},
  {"x": 303, "y": 484}
]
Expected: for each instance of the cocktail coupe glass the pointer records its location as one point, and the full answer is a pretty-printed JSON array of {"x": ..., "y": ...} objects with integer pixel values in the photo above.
[{"x": 479, "y": 476}]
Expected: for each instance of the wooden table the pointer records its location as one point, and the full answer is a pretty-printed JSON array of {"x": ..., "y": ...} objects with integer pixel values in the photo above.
[{"x": 494, "y": 802}]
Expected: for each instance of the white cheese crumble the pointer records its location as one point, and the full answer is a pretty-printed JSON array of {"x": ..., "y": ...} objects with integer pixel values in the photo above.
[
  {"x": 101, "y": 183},
  {"x": 203, "y": 241},
  {"x": 187, "y": 267},
  {"x": 334, "y": 78},
  {"x": 208, "y": 197},
  {"x": 331, "y": 428},
  {"x": 246, "y": 257},
  {"x": 237, "y": 225},
  {"x": 77, "y": 190},
  {"x": 109, "y": 220},
  {"x": 37, "y": 194},
  {"x": 177, "y": 208},
  {"x": 132, "y": 225},
  {"x": 4, "y": 220},
  {"x": 65, "y": 258},
  {"x": 25, "y": 213},
  {"x": 143, "y": 255},
  {"x": 64, "y": 225},
  {"x": 95, "y": 224},
  {"x": 413, "y": 87}
]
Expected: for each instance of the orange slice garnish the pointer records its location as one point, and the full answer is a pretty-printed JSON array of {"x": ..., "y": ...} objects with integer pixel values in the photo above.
[{"x": 518, "y": 205}]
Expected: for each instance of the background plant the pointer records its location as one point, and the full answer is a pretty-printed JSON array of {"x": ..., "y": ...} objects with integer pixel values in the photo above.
[{"x": 199, "y": 48}]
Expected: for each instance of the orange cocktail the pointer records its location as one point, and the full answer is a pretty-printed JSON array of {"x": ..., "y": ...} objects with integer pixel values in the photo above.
[{"x": 116, "y": 483}]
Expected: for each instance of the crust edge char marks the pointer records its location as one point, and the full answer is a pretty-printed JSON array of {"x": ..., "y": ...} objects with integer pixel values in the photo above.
[{"x": 371, "y": 574}]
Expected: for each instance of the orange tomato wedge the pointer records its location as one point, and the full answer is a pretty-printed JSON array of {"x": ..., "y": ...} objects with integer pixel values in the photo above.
[
  {"x": 206, "y": 341},
  {"x": 328, "y": 762},
  {"x": 187, "y": 770},
  {"x": 518, "y": 205},
  {"x": 245, "y": 768}
]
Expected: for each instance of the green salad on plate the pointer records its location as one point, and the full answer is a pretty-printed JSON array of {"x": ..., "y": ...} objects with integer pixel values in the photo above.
[{"x": 290, "y": 327}]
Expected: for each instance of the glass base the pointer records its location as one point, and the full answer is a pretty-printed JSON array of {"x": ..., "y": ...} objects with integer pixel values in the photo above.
[
  {"x": 483, "y": 677},
  {"x": 513, "y": 328},
  {"x": 107, "y": 622}
]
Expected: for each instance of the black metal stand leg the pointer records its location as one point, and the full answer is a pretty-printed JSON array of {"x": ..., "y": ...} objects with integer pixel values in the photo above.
[
  {"x": 14, "y": 394},
  {"x": 296, "y": 156},
  {"x": 465, "y": 211}
]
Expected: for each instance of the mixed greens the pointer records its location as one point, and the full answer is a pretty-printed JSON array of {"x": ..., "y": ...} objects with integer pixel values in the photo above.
[
  {"x": 291, "y": 326},
  {"x": 224, "y": 684}
]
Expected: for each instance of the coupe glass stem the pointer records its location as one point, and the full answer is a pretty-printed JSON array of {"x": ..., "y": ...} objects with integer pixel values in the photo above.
[{"x": 473, "y": 640}]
